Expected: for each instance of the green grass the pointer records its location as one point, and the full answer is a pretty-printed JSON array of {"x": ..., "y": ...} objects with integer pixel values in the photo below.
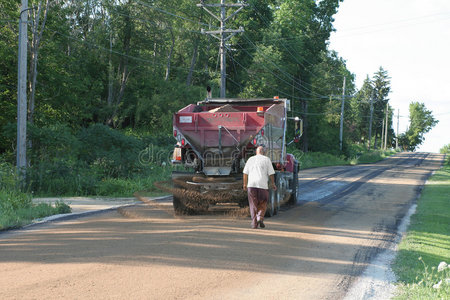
[
  {"x": 371, "y": 157},
  {"x": 16, "y": 207},
  {"x": 427, "y": 243},
  {"x": 118, "y": 187},
  {"x": 320, "y": 159},
  {"x": 25, "y": 215}
]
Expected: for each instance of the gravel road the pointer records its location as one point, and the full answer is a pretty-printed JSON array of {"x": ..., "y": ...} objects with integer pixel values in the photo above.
[{"x": 315, "y": 250}]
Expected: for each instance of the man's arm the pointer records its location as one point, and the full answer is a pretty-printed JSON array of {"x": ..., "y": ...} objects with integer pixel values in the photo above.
[
  {"x": 245, "y": 182},
  {"x": 272, "y": 182}
]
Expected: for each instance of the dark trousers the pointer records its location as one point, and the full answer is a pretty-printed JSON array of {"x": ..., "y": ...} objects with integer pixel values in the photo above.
[{"x": 257, "y": 200}]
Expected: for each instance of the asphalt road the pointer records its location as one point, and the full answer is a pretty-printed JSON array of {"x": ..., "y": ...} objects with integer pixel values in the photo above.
[{"x": 314, "y": 250}]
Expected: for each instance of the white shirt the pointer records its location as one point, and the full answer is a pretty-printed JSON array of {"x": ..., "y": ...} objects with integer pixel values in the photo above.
[{"x": 258, "y": 168}]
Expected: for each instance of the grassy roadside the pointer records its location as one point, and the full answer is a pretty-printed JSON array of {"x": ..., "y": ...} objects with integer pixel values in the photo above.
[
  {"x": 16, "y": 207},
  {"x": 319, "y": 159},
  {"x": 427, "y": 244}
]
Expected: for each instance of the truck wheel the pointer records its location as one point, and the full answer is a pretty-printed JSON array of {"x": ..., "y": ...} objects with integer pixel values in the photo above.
[
  {"x": 271, "y": 204},
  {"x": 294, "y": 185},
  {"x": 280, "y": 196}
]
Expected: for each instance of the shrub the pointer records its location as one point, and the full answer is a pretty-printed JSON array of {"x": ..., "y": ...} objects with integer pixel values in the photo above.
[
  {"x": 373, "y": 156},
  {"x": 111, "y": 152},
  {"x": 16, "y": 207},
  {"x": 52, "y": 142},
  {"x": 445, "y": 149}
]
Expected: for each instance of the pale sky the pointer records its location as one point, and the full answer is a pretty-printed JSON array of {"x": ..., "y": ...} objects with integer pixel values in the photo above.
[{"x": 411, "y": 40}]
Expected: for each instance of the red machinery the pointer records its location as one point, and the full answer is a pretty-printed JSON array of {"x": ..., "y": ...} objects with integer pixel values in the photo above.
[{"x": 215, "y": 138}]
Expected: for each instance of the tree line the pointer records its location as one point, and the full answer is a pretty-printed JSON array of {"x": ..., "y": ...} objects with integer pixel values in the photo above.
[{"x": 129, "y": 65}]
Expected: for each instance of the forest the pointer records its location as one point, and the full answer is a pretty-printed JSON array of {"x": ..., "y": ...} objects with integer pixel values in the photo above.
[{"x": 105, "y": 77}]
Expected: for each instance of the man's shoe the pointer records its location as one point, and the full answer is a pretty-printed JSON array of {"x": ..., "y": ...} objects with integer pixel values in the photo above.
[{"x": 261, "y": 224}]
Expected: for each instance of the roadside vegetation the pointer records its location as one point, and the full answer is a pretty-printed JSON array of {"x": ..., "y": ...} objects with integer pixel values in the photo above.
[
  {"x": 421, "y": 263},
  {"x": 16, "y": 207},
  {"x": 356, "y": 155}
]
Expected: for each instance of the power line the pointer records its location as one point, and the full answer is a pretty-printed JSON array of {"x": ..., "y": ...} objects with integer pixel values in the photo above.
[
  {"x": 282, "y": 79},
  {"x": 442, "y": 114},
  {"x": 156, "y": 24},
  {"x": 300, "y": 88},
  {"x": 399, "y": 21},
  {"x": 289, "y": 76},
  {"x": 171, "y": 14},
  {"x": 223, "y": 34},
  {"x": 387, "y": 28},
  {"x": 153, "y": 61},
  {"x": 271, "y": 86},
  {"x": 293, "y": 56}
]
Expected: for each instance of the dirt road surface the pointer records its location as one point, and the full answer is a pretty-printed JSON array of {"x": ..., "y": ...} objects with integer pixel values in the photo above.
[{"x": 314, "y": 250}]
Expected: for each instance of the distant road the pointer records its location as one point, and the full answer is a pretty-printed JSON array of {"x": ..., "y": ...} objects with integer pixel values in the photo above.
[{"x": 314, "y": 250}]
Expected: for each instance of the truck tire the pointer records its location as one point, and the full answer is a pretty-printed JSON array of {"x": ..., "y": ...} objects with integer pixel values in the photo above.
[
  {"x": 294, "y": 185},
  {"x": 271, "y": 204}
]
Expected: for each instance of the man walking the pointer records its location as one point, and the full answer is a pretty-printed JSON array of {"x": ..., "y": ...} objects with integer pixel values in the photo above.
[{"x": 257, "y": 172}]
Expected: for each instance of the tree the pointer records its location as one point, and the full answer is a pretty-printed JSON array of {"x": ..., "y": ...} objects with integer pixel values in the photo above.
[
  {"x": 8, "y": 67},
  {"x": 325, "y": 111},
  {"x": 37, "y": 29},
  {"x": 360, "y": 112},
  {"x": 308, "y": 25},
  {"x": 382, "y": 88},
  {"x": 421, "y": 121},
  {"x": 445, "y": 149}
]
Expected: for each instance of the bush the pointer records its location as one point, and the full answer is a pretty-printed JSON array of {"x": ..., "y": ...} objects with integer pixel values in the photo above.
[
  {"x": 16, "y": 207},
  {"x": 111, "y": 152},
  {"x": 53, "y": 142},
  {"x": 445, "y": 149},
  {"x": 316, "y": 159},
  {"x": 373, "y": 156},
  {"x": 11, "y": 198},
  {"x": 128, "y": 186},
  {"x": 94, "y": 161},
  {"x": 63, "y": 177}
]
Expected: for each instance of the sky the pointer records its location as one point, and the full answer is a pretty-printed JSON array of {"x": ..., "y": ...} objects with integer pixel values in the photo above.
[{"x": 411, "y": 40}]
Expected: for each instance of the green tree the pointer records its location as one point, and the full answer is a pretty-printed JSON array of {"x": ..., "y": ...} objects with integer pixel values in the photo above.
[
  {"x": 360, "y": 112},
  {"x": 8, "y": 67},
  {"x": 381, "y": 89},
  {"x": 445, "y": 149},
  {"x": 325, "y": 111},
  {"x": 421, "y": 121},
  {"x": 308, "y": 25}
]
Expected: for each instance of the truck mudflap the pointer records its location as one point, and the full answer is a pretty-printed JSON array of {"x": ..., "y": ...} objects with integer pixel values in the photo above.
[{"x": 194, "y": 193}]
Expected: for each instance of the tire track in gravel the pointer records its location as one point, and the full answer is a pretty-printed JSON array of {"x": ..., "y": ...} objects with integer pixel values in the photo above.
[{"x": 413, "y": 159}]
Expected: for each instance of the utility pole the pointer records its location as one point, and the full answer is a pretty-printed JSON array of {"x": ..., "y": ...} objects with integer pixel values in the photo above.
[
  {"x": 22, "y": 93},
  {"x": 370, "y": 120},
  {"x": 398, "y": 124},
  {"x": 223, "y": 35},
  {"x": 382, "y": 134},
  {"x": 386, "y": 126},
  {"x": 342, "y": 116}
]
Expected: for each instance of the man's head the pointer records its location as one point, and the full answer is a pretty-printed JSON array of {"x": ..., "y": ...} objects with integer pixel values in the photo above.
[{"x": 260, "y": 150}]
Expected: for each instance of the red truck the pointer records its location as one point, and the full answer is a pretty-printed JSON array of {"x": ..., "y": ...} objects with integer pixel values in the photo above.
[{"x": 215, "y": 137}]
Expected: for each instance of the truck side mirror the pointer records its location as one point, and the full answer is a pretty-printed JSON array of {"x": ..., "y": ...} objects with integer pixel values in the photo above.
[{"x": 298, "y": 129}]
